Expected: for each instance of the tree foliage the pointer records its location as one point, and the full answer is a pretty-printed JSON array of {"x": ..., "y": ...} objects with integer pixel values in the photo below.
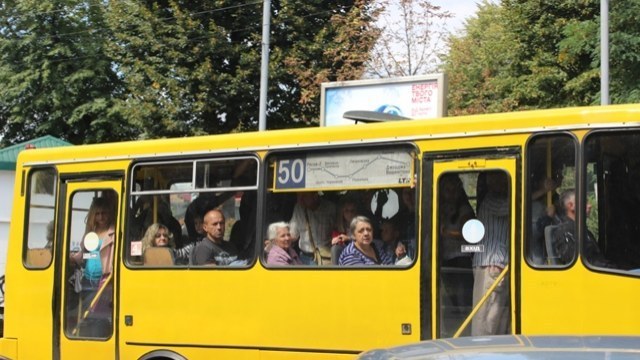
[
  {"x": 56, "y": 79},
  {"x": 526, "y": 55},
  {"x": 91, "y": 71},
  {"x": 478, "y": 62}
]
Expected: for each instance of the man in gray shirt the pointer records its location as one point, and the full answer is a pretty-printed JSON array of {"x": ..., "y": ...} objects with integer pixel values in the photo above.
[{"x": 212, "y": 249}]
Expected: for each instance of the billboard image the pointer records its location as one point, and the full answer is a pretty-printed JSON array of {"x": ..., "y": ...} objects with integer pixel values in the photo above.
[{"x": 415, "y": 97}]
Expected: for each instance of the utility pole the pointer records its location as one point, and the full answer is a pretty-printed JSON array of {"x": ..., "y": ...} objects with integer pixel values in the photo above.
[
  {"x": 604, "y": 52},
  {"x": 264, "y": 68}
]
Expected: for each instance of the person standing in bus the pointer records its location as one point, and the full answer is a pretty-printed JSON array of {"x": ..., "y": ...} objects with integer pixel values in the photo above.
[
  {"x": 212, "y": 249},
  {"x": 493, "y": 211},
  {"x": 96, "y": 259},
  {"x": 455, "y": 211},
  {"x": 311, "y": 223},
  {"x": 362, "y": 250},
  {"x": 280, "y": 249}
]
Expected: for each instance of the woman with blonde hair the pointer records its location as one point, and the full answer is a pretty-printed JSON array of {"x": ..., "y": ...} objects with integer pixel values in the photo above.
[
  {"x": 98, "y": 261},
  {"x": 92, "y": 277},
  {"x": 159, "y": 235}
]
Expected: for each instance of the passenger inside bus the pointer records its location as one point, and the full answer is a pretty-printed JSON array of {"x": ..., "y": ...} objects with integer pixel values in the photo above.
[
  {"x": 347, "y": 210},
  {"x": 564, "y": 236},
  {"x": 311, "y": 224},
  {"x": 363, "y": 250},
  {"x": 390, "y": 242},
  {"x": 158, "y": 235},
  {"x": 493, "y": 212},
  {"x": 243, "y": 232},
  {"x": 194, "y": 215},
  {"x": 545, "y": 211},
  {"x": 213, "y": 249},
  {"x": 96, "y": 260},
  {"x": 151, "y": 209},
  {"x": 454, "y": 211},
  {"x": 407, "y": 220},
  {"x": 280, "y": 249}
]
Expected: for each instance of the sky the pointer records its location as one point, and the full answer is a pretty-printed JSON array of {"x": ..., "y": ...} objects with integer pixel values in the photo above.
[{"x": 461, "y": 9}]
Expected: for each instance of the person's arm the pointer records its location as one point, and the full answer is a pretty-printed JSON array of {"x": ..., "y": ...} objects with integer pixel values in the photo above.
[
  {"x": 181, "y": 256},
  {"x": 76, "y": 257}
]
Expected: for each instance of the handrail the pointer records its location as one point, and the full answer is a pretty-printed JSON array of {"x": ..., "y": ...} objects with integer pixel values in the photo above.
[
  {"x": 2, "y": 282},
  {"x": 93, "y": 303}
]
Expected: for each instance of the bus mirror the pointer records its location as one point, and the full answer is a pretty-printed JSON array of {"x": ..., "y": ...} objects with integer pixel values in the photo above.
[{"x": 473, "y": 231}]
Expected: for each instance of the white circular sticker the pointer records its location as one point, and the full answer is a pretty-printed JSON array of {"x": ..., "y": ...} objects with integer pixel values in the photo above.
[
  {"x": 473, "y": 231},
  {"x": 91, "y": 241},
  {"x": 388, "y": 201}
]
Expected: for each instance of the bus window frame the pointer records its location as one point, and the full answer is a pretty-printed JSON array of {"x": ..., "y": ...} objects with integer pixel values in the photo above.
[
  {"x": 27, "y": 210},
  {"x": 581, "y": 199},
  {"x": 131, "y": 195},
  {"x": 528, "y": 186},
  {"x": 410, "y": 147}
]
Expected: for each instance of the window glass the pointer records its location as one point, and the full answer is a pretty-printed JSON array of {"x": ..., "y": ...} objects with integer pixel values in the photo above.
[
  {"x": 551, "y": 173},
  {"x": 172, "y": 213},
  {"x": 612, "y": 208},
  {"x": 88, "y": 310},
  {"x": 341, "y": 207},
  {"x": 41, "y": 215}
]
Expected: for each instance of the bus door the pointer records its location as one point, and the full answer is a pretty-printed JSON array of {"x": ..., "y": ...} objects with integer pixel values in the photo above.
[
  {"x": 86, "y": 306},
  {"x": 473, "y": 228}
]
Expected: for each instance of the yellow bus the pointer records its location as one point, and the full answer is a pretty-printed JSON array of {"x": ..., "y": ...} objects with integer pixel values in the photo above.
[{"x": 554, "y": 239}]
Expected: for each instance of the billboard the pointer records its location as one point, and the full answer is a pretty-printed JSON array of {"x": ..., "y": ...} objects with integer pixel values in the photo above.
[{"x": 415, "y": 97}]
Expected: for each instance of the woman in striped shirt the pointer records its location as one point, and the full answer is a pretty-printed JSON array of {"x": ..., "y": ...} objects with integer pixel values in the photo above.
[{"x": 362, "y": 250}]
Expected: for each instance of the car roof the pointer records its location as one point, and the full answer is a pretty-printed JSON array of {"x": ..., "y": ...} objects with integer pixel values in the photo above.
[{"x": 521, "y": 347}]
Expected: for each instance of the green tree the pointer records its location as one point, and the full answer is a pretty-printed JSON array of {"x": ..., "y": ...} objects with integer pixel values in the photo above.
[
  {"x": 477, "y": 64},
  {"x": 527, "y": 54},
  {"x": 100, "y": 71},
  {"x": 194, "y": 67},
  {"x": 56, "y": 79}
]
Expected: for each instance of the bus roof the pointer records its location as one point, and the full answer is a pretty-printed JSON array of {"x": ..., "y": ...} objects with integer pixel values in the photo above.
[{"x": 462, "y": 126}]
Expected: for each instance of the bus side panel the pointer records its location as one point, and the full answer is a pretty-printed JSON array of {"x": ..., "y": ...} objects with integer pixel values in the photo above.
[
  {"x": 288, "y": 313},
  {"x": 579, "y": 301},
  {"x": 28, "y": 293}
]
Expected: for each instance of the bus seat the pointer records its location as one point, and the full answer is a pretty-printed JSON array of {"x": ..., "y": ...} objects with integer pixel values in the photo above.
[
  {"x": 336, "y": 250},
  {"x": 552, "y": 256},
  {"x": 158, "y": 256},
  {"x": 38, "y": 258}
]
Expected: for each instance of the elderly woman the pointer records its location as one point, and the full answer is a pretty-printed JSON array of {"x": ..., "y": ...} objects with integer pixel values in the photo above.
[
  {"x": 281, "y": 252},
  {"x": 362, "y": 250}
]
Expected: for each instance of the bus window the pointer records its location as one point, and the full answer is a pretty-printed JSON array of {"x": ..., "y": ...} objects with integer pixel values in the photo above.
[
  {"x": 551, "y": 170},
  {"x": 171, "y": 199},
  {"x": 612, "y": 202},
  {"x": 319, "y": 194},
  {"x": 41, "y": 214}
]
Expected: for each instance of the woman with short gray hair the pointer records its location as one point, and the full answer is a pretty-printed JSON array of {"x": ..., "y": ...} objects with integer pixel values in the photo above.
[
  {"x": 362, "y": 250},
  {"x": 280, "y": 245}
]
